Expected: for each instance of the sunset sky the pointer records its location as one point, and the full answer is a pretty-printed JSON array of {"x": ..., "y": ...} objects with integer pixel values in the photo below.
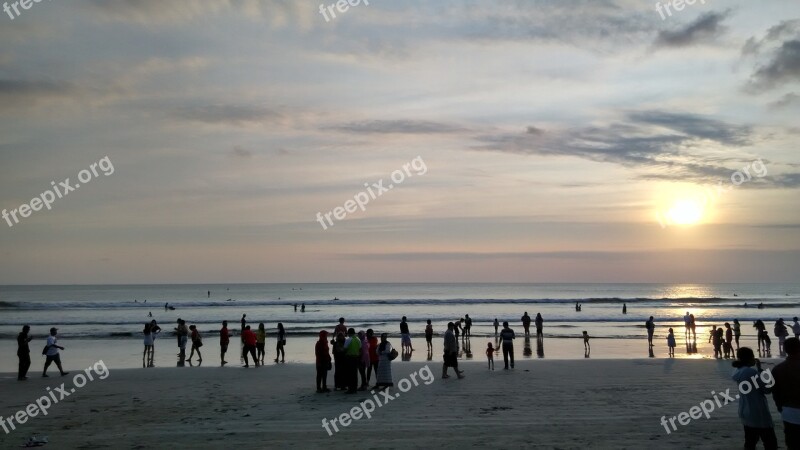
[{"x": 554, "y": 133}]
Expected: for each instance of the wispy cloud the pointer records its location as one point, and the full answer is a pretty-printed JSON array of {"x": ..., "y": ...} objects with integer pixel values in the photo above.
[{"x": 704, "y": 30}]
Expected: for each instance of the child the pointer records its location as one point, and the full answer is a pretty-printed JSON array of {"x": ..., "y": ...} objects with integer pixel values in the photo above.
[
  {"x": 753, "y": 406},
  {"x": 586, "y": 345},
  {"x": 490, "y": 355},
  {"x": 671, "y": 343}
]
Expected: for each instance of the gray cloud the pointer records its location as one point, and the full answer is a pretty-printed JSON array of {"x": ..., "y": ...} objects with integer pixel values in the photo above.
[
  {"x": 782, "y": 68},
  {"x": 651, "y": 139},
  {"x": 788, "y": 100},
  {"x": 225, "y": 114},
  {"x": 241, "y": 152},
  {"x": 702, "y": 31},
  {"x": 398, "y": 127},
  {"x": 20, "y": 93}
]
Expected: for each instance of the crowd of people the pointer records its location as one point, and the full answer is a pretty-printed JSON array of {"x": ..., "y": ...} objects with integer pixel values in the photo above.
[{"x": 723, "y": 338}]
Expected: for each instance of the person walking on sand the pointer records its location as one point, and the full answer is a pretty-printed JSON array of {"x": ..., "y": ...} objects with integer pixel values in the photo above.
[
  {"x": 197, "y": 342},
  {"x": 539, "y": 326},
  {"x": 372, "y": 340},
  {"x": 796, "y": 328},
  {"x": 24, "y": 353},
  {"x": 651, "y": 328},
  {"x": 51, "y": 350},
  {"x": 507, "y": 337},
  {"x": 586, "y": 346},
  {"x": 303, "y": 308},
  {"x": 786, "y": 392},
  {"x": 450, "y": 351},
  {"x": 261, "y": 342},
  {"x": 526, "y": 323},
  {"x": 386, "y": 354},
  {"x": 490, "y": 355},
  {"x": 323, "y": 359},
  {"x": 737, "y": 333},
  {"x": 753, "y": 407},
  {"x": 279, "y": 351},
  {"x": 250, "y": 341},
  {"x": 671, "y": 343},
  {"x": 224, "y": 340},
  {"x": 496, "y": 325},
  {"x": 429, "y": 335}
]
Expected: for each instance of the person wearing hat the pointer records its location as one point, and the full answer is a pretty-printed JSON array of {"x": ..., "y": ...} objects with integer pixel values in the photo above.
[{"x": 51, "y": 350}]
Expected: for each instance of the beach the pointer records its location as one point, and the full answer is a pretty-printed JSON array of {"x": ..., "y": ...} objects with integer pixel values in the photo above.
[{"x": 539, "y": 404}]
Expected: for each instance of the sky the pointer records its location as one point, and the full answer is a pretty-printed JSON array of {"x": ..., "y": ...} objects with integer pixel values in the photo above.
[{"x": 543, "y": 141}]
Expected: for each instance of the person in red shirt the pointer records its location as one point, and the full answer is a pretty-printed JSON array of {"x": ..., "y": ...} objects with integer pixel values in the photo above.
[
  {"x": 250, "y": 340},
  {"x": 373, "y": 354},
  {"x": 224, "y": 340}
]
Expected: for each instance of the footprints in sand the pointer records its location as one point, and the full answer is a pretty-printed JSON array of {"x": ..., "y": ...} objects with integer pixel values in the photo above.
[{"x": 493, "y": 409}]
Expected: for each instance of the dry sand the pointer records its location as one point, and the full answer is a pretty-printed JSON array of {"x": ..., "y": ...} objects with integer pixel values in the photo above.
[{"x": 540, "y": 404}]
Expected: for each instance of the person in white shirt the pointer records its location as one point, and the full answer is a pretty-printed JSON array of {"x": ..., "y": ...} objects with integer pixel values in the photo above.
[{"x": 52, "y": 353}]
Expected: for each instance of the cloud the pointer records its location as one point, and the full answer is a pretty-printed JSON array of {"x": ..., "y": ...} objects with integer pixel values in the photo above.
[
  {"x": 398, "y": 127},
  {"x": 16, "y": 94},
  {"x": 784, "y": 67},
  {"x": 704, "y": 30},
  {"x": 649, "y": 139},
  {"x": 149, "y": 12},
  {"x": 788, "y": 100},
  {"x": 237, "y": 115},
  {"x": 241, "y": 152}
]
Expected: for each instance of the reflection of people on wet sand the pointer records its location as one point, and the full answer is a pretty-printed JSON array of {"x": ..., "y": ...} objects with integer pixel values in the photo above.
[
  {"x": 526, "y": 349},
  {"x": 540, "y": 348}
]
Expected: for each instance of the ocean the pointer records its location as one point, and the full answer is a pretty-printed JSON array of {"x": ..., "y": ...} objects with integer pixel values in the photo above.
[{"x": 105, "y": 322}]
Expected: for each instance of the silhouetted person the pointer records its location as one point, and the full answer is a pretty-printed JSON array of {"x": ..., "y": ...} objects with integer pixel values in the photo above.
[
  {"x": 759, "y": 326},
  {"x": 303, "y": 307},
  {"x": 450, "y": 351},
  {"x": 467, "y": 326},
  {"x": 496, "y": 326},
  {"x": 526, "y": 324},
  {"x": 651, "y": 328},
  {"x": 341, "y": 328},
  {"x": 737, "y": 332},
  {"x": 786, "y": 392},
  {"x": 24, "y": 353},
  {"x": 507, "y": 335},
  {"x": 539, "y": 325},
  {"x": 429, "y": 335},
  {"x": 405, "y": 336},
  {"x": 624, "y": 308},
  {"x": 753, "y": 407}
]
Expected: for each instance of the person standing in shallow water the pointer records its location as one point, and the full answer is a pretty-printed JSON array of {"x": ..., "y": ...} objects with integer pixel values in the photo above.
[
  {"x": 539, "y": 326},
  {"x": 651, "y": 328},
  {"x": 526, "y": 323},
  {"x": 405, "y": 336},
  {"x": 496, "y": 325},
  {"x": 429, "y": 335},
  {"x": 24, "y": 353},
  {"x": 279, "y": 351},
  {"x": 507, "y": 335}
]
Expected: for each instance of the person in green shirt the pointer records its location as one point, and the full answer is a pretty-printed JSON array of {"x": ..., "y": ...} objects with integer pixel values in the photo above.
[{"x": 352, "y": 351}]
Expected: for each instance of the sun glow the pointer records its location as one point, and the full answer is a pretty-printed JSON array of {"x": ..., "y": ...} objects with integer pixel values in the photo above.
[{"x": 686, "y": 212}]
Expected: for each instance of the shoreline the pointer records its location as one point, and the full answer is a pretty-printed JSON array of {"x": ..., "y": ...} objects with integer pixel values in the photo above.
[{"x": 554, "y": 404}]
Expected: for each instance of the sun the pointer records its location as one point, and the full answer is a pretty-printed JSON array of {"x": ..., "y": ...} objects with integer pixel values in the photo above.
[{"x": 686, "y": 212}]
